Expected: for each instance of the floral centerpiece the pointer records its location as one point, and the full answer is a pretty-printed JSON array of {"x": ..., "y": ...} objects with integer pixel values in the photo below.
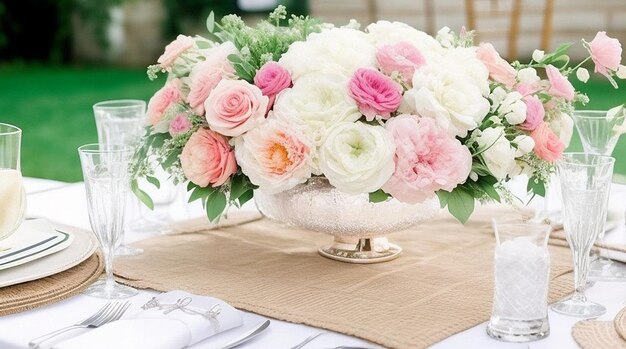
[{"x": 389, "y": 110}]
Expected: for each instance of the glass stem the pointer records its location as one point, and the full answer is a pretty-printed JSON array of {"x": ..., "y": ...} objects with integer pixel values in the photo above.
[
  {"x": 108, "y": 267},
  {"x": 581, "y": 269}
]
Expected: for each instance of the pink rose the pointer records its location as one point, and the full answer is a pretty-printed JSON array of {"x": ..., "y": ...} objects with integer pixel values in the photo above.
[
  {"x": 174, "y": 50},
  {"x": 375, "y": 93},
  {"x": 499, "y": 69},
  {"x": 534, "y": 113},
  {"x": 606, "y": 53},
  {"x": 559, "y": 85},
  {"x": 401, "y": 57},
  {"x": 207, "y": 158},
  {"x": 548, "y": 146},
  {"x": 272, "y": 78},
  {"x": 168, "y": 95},
  {"x": 234, "y": 107},
  {"x": 204, "y": 76},
  {"x": 179, "y": 125},
  {"x": 427, "y": 159}
]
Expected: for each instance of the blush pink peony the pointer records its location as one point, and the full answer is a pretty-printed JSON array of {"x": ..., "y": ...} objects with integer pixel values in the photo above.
[
  {"x": 174, "y": 50},
  {"x": 374, "y": 93},
  {"x": 180, "y": 124},
  {"x": 272, "y": 78},
  {"x": 204, "y": 76},
  {"x": 548, "y": 146},
  {"x": 234, "y": 107},
  {"x": 208, "y": 159},
  {"x": 168, "y": 95},
  {"x": 499, "y": 69},
  {"x": 606, "y": 53},
  {"x": 401, "y": 57},
  {"x": 427, "y": 159},
  {"x": 534, "y": 113},
  {"x": 559, "y": 85}
]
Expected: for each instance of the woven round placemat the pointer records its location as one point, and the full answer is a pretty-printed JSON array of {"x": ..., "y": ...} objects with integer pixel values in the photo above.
[
  {"x": 620, "y": 324},
  {"x": 36, "y": 293},
  {"x": 591, "y": 334}
]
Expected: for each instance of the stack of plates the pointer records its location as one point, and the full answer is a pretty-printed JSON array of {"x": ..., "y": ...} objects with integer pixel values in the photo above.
[{"x": 38, "y": 249}]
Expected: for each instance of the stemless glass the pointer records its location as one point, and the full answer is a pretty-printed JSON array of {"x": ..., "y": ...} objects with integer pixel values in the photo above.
[
  {"x": 521, "y": 275},
  {"x": 585, "y": 184},
  {"x": 121, "y": 122},
  {"x": 106, "y": 176},
  {"x": 12, "y": 194},
  {"x": 596, "y": 129}
]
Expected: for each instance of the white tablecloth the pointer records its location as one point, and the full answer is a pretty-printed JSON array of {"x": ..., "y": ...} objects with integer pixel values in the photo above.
[{"x": 65, "y": 203}]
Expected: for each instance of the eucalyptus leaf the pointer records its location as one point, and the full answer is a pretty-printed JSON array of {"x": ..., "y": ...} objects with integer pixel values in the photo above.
[
  {"x": 154, "y": 181},
  {"x": 141, "y": 195}
]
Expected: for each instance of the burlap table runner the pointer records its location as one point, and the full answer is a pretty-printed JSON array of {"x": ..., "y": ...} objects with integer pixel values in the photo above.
[
  {"x": 51, "y": 289},
  {"x": 441, "y": 285}
]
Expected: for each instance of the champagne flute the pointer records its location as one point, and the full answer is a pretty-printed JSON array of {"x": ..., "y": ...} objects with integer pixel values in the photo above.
[
  {"x": 106, "y": 176},
  {"x": 585, "y": 184},
  {"x": 12, "y": 194}
]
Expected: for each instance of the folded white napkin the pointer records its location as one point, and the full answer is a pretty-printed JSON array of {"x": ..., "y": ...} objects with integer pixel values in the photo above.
[{"x": 152, "y": 329}]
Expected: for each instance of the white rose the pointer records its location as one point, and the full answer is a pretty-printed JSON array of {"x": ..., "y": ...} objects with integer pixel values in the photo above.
[
  {"x": 563, "y": 126},
  {"x": 525, "y": 145},
  {"x": 464, "y": 59},
  {"x": 499, "y": 156},
  {"x": 385, "y": 32},
  {"x": 538, "y": 55},
  {"x": 513, "y": 108},
  {"x": 448, "y": 95},
  {"x": 275, "y": 156},
  {"x": 315, "y": 103},
  {"x": 582, "y": 74},
  {"x": 343, "y": 50},
  {"x": 357, "y": 158},
  {"x": 528, "y": 76}
]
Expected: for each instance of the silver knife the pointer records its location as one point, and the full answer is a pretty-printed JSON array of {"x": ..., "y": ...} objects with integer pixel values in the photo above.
[{"x": 248, "y": 335}]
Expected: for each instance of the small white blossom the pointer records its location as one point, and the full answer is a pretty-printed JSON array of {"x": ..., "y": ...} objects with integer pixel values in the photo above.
[
  {"x": 473, "y": 176},
  {"x": 528, "y": 75},
  {"x": 496, "y": 97},
  {"x": 445, "y": 37},
  {"x": 538, "y": 55},
  {"x": 525, "y": 145},
  {"x": 582, "y": 74},
  {"x": 353, "y": 24},
  {"x": 513, "y": 108},
  {"x": 621, "y": 72}
]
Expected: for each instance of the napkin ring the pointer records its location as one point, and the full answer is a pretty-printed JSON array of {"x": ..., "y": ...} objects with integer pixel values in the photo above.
[{"x": 181, "y": 304}]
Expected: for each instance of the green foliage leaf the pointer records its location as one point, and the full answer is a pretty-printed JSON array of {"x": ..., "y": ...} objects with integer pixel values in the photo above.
[
  {"x": 491, "y": 191},
  {"x": 242, "y": 73},
  {"x": 480, "y": 169},
  {"x": 461, "y": 204},
  {"x": 536, "y": 186},
  {"x": 210, "y": 22},
  {"x": 202, "y": 45},
  {"x": 200, "y": 193},
  {"x": 245, "y": 197},
  {"x": 141, "y": 195},
  {"x": 191, "y": 185},
  {"x": 170, "y": 160},
  {"x": 154, "y": 181},
  {"x": 234, "y": 58},
  {"x": 443, "y": 196},
  {"x": 239, "y": 184},
  {"x": 378, "y": 196},
  {"x": 215, "y": 205}
]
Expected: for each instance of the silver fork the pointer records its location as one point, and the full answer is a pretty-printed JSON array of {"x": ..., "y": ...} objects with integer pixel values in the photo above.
[{"x": 110, "y": 312}]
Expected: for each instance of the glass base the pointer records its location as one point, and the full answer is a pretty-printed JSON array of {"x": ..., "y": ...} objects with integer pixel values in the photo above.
[
  {"x": 361, "y": 250},
  {"x": 604, "y": 269},
  {"x": 109, "y": 290},
  {"x": 125, "y": 251},
  {"x": 579, "y": 306},
  {"x": 518, "y": 331}
]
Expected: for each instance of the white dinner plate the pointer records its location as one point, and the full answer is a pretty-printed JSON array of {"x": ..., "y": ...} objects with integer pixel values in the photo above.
[{"x": 83, "y": 246}]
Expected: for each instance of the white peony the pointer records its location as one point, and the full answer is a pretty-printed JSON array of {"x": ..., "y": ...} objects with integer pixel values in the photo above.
[
  {"x": 447, "y": 94},
  {"x": 357, "y": 158},
  {"x": 315, "y": 103},
  {"x": 275, "y": 156},
  {"x": 563, "y": 126},
  {"x": 513, "y": 108},
  {"x": 499, "y": 155},
  {"x": 342, "y": 50},
  {"x": 389, "y": 33}
]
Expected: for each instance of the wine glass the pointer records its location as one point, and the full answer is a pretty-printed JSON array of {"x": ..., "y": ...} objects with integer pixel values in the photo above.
[
  {"x": 106, "y": 176},
  {"x": 585, "y": 184},
  {"x": 598, "y": 136},
  {"x": 12, "y": 194}
]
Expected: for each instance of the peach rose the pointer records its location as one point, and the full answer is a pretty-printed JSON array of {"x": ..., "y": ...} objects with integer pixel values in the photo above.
[
  {"x": 548, "y": 146},
  {"x": 207, "y": 158},
  {"x": 174, "y": 50},
  {"x": 234, "y": 107},
  {"x": 499, "y": 69},
  {"x": 168, "y": 95}
]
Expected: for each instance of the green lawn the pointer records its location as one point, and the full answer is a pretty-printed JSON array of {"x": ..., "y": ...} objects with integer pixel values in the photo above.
[{"x": 53, "y": 107}]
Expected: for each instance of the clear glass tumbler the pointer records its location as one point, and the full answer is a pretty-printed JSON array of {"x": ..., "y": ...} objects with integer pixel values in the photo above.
[
  {"x": 585, "y": 184},
  {"x": 106, "y": 176},
  {"x": 521, "y": 276},
  {"x": 12, "y": 194}
]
